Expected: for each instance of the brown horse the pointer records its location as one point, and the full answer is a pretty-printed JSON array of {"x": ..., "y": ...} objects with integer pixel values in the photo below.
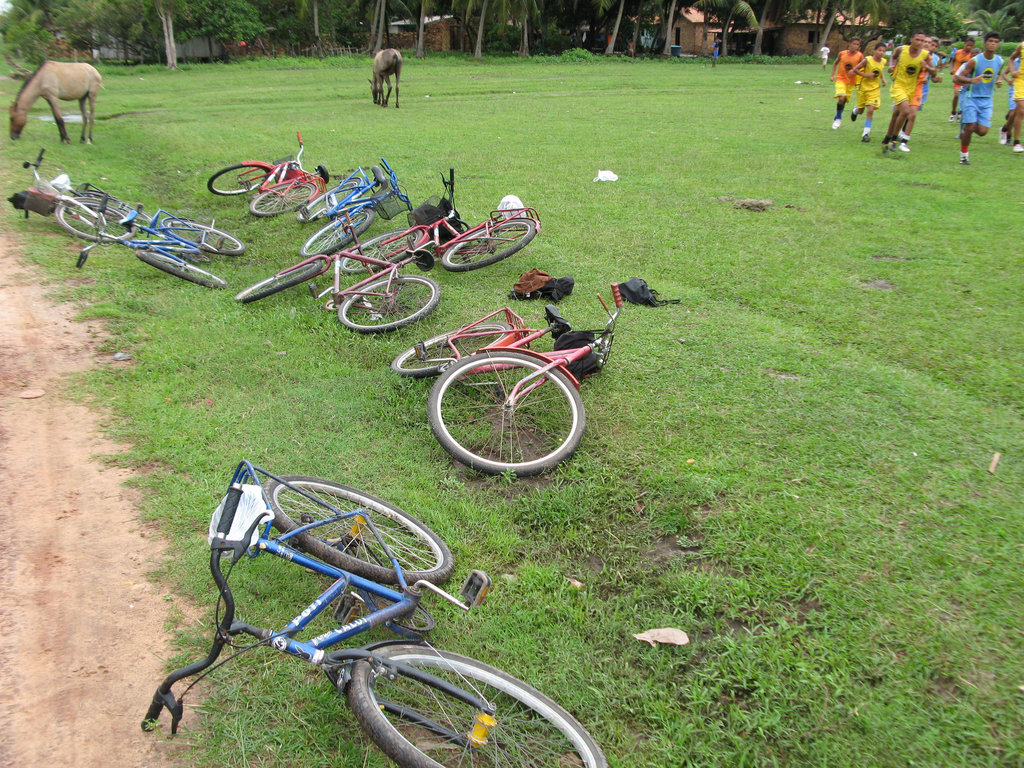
[
  {"x": 58, "y": 80},
  {"x": 386, "y": 63}
]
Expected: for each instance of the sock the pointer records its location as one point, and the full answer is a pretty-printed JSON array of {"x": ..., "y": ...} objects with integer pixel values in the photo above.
[
  {"x": 964, "y": 148},
  {"x": 867, "y": 125},
  {"x": 903, "y": 141},
  {"x": 887, "y": 139},
  {"x": 839, "y": 113},
  {"x": 904, "y": 136}
]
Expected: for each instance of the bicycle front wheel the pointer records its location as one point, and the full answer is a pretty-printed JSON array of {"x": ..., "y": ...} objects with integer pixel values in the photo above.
[
  {"x": 82, "y": 219},
  {"x": 390, "y": 246},
  {"x": 239, "y": 179},
  {"x": 480, "y": 417},
  {"x": 486, "y": 248},
  {"x": 392, "y": 303},
  {"x": 420, "y": 724},
  {"x": 333, "y": 236},
  {"x": 317, "y": 207},
  {"x": 180, "y": 268},
  {"x": 281, "y": 281},
  {"x": 437, "y": 352},
  {"x": 348, "y": 543},
  {"x": 282, "y": 198}
]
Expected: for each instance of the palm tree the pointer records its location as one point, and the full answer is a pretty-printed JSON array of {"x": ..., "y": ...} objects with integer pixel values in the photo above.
[{"x": 1004, "y": 21}]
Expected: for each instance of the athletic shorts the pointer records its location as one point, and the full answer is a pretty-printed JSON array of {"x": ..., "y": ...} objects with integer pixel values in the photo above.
[
  {"x": 924, "y": 93},
  {"x": 866, "y": 97},
  {"x": 915, "y": 100},
  {"x": 900, "y": 94},
  {"x": 976, "y": 112},
  {"x": 843, "y": 89}
]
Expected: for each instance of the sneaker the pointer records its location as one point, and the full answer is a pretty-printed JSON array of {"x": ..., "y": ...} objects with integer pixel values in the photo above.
[
  {"x": 1004, "y": 137},
  {"x": 853, "y": 115},
  {"x": 836, "y": 123},
  {"x": 885, "y": 148},
  {"x": 964, "y": 160},
  {"x": 952, "y": 118},
  {"x": 1018, "y": 147},
  {"x": 903, "y": 147},
  {"x": 867, "y": 137}
]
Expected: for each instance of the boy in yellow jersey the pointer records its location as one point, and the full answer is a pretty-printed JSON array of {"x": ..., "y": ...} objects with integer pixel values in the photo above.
[
  {"x": 904, "y": 67},
  {"x": 869, "y": 93},
  {"x": 843, "y": 77},
  {"x": 1014, "y": 75},
  {"x": 957, "y": 59},
  {"x": 918, "y": 99}
]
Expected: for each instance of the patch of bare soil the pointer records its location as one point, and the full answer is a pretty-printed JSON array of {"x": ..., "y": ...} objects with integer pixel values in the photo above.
[{"x": 83, "y": 643}]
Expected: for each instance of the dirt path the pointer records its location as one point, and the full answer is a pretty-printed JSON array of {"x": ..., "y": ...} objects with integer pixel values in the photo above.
[{"x": 83, "y": 639}]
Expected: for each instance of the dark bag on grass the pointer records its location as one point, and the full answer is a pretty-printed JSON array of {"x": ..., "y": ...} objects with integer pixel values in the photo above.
[
  {"x": 35, "y": 200},
  {"x": 433, "y": 210},
  {"x": 536, "y": 284},
  {"x": 636, "y": 291},
  {"x": 585, "y": 366}
]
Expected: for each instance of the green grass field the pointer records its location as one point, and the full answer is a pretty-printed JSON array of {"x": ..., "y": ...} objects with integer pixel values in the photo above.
[{"x": 790, "y": 465}]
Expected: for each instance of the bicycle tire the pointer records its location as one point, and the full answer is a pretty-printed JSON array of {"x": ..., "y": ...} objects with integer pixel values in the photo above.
[
  {"x": 317, "y": 207},
  {"x": 504, "y": 239},
  {"x": 333, "y": 236},
  {"x": 239, "y": 179},
  {"x": 418, "y": 724},
  {"x": 80, "y": 219},
  {"x": 436, "y": 347},
  {"x": 467, "y": 415},
  {"x": 414, "y": 545},
  {"x": 377, "y": 314},
  {"x": 380, "y": 248},
  {"x": 281, "y": 198},
  {"x": 181, "y": 269},
  {"x": 208, "y": 238},
  {"x": 282, "y": 281}
]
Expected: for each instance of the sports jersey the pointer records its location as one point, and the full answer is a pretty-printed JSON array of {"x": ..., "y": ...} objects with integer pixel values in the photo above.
[
  {"x": 908, "y": 67},
  {"x": 868, "y": 83},
  {"x": 847, "y": 61},
  {"x": 988, "y": 69}
]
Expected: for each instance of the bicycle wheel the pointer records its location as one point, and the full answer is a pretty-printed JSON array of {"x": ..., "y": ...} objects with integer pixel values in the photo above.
[
  {"x": 504, "y": 239},
  {"x": 333, "y": 236},
  {"x": 281, "y": 281},
  {"x": 282, "y": 198},
  {"x": 206, "y": 237},
  {"x": 387, "y": 247},
  {"x": 348, "y": 543},
  {"x": 419, "y": 724},
  {"x": 471, "y": 417},
  {"x": 438, "y": 353},
  {"x": 317, "y": 207},
  {"x": 239, "y": 179},
  {"x": 81, "y": 218},
  {"x": 182, "y": 268},
  {"x": 398, "y": 302}
]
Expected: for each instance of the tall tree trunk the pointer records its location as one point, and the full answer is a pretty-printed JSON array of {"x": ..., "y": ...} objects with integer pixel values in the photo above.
[
  {"x": 669, "y": 23},
  {"x": 478, "y": 52},
  {"x": 636, "y": 35},
  {"x": 419, "y": 30},
  {"x": 615, "y": 31},
  {"x": 381, "y": 24},
  {"x": 167, "y": 22},
  {"x": 524, "y": 45},
  {"x": 316, "y": 22},
  {"x": 725, "y": 35},
  {"x": 760, "y": 29},
  {"x": 829, "y": 20}
]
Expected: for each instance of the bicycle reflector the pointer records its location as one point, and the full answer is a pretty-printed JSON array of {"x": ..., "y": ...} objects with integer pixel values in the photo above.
[{"x": 475, "y": 588}]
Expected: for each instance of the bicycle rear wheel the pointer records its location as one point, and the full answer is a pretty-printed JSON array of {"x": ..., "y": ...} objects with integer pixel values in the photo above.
[
  {"x": 471, "y": 416},
  {"x": 348, "y": 543},
  {"x": 333, "y": 236},
  {"x": 281, "y": 198},
  {"x": 281, "y": 281},
  {"x": 503, "y": 240},
  {"x": 317, "y": 207},
  {"x": 182, "y": 268},
  {"x": 82, "y": 219},
  {"x": 398, "y": 302},
  {"x": 239, "y": 179},
  {"x": 437, "y": 353},
  {"x": 420, "y": 724}
]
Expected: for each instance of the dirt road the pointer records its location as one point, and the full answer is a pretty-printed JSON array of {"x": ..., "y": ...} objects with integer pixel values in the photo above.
[{"x": 83, "y": 641}]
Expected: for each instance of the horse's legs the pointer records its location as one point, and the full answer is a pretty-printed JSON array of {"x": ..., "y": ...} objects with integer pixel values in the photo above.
[
  {"x": 397, "y": 78},
  {"x": 82, "y": 102},
  {"x": 58, "y": 118},
  {"x": 92, "y": 113},
  {"x": 384, "y": 100}
]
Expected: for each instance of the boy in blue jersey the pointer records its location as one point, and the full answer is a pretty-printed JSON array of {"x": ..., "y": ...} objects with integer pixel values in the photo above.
[{"x": 979, "y": 78}]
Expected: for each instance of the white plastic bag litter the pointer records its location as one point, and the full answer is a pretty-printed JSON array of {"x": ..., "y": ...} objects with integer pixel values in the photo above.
[{"x": 606, "y": 176}]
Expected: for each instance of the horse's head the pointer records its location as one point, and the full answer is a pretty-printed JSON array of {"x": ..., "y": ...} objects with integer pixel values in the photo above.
[
  {"x": 376, "y": 90},
  {"x": 18, "y": 119}
]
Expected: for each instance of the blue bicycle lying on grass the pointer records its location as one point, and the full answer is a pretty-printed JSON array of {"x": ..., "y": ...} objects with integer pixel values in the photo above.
[{"x": 421, "y": 706}]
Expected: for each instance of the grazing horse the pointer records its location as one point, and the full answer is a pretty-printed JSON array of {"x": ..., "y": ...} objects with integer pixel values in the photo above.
[
  {"x": 58, "y": 80},
  {"x": 386, "y": 63}
]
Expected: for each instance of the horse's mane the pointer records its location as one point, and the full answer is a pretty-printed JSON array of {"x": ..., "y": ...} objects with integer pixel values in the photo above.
[{"x": 28, "y": 80}]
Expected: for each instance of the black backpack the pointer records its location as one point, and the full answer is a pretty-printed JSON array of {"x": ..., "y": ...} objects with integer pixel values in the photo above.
[
  {"x": 636, "y": 291},
  {"x": 585, "y": 366}
]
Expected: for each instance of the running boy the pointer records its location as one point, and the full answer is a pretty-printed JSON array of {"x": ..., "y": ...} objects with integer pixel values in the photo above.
[
  {"x": 869, "y": 94},
  {"x": 845, "y": 80},
  {"x": 980, "y": 76},
  {"x": 905, "y": 66},
  {"x": 1014, "y": 75}
]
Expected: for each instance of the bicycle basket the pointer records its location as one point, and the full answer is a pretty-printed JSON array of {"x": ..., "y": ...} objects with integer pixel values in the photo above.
[
  {"x": 431, "y": 210},
  {"x": 391, "y": 204},
  {"x": 35, "y": 199}
]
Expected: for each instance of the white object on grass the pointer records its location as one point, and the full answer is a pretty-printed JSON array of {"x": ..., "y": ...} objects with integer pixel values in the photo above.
[{"x": 606, "y": 176}]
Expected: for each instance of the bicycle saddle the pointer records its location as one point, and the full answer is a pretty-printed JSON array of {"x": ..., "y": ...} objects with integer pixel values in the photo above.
[
  {"x": 423, "y": 258},
  {"x": 323, "y": 173},
  {"x": 378, "y": 174},
  {"x": 558, "y": 324}
]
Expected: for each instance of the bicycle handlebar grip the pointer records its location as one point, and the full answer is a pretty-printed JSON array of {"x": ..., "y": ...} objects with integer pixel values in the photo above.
[
  {"x": 153, "y": 712},
  {"x": 617, "y": 294},
  {"x": 42, "y": 152},
  {"x": 227, "y": 515},
  {"x": 298, "y": 134}
]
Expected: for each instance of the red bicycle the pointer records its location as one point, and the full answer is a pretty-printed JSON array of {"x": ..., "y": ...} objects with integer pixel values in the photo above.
[
  {"x": 500, "y": 406},
  {"x": 282, "y": 186},
  {"x": 437, "y": 227}
]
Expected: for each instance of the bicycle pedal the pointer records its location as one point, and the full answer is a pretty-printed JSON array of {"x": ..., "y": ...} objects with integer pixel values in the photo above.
[
  {"x": 312, "y": 290},
  {"x": 475, "y": 588},
  {"x": 347, "y": 609},
  {"x": 421, "y": 350}
]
